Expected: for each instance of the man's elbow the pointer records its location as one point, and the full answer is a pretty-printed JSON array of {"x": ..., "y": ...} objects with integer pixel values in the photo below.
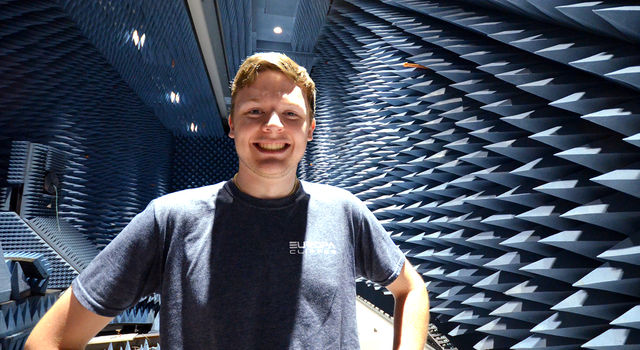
[
  {"x": 418, "y": 289},
  {"x": 33, "y": 344},
  {"x": 36, "y": 343},
  {"x": 29, "y": 345}
]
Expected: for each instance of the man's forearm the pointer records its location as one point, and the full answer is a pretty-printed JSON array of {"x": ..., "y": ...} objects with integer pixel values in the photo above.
[
  {"x": 67, "y": 325},
  {"x": 411, "y": 320}
]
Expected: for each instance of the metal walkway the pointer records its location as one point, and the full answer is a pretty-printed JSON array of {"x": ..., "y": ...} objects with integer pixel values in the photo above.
[{"x": 375, "y": 328}]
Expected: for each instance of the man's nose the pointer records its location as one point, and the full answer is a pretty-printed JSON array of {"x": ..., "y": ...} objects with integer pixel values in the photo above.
[{"x": 274, "y": 121}]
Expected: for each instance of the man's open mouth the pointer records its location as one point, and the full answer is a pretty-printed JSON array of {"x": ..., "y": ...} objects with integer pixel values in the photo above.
[{"x": 271, "y": 147}]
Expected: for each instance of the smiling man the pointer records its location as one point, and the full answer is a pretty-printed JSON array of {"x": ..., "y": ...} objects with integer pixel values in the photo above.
[
  {"x": 271, "y": 122},
  {"x": 263, "y": 261}
]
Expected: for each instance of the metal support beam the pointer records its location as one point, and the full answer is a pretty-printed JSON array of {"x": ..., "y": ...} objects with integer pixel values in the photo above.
[{"x": 205, "y": 19}]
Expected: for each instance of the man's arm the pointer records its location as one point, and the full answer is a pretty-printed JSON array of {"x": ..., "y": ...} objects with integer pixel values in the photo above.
[
  {"x": 67, "y": 325},
  {"x": 411, "y": 313}
]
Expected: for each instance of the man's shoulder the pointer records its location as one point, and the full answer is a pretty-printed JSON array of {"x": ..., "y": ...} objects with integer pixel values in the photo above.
[
  {"x": 318, "y": 188},
  {"x": 193, "y": 198},
  {"x": 328, "y": 193}
]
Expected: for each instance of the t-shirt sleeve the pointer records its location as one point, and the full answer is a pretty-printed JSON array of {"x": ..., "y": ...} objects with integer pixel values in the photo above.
[
  {"x": 126, "y": 270},
  {"x": 378, "y": 259}
]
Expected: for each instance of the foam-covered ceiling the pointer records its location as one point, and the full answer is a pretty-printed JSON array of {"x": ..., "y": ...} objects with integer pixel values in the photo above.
[
  {"x": 165, "y": 69},
  {"x": 180, "y": 57},
  {"x": 157, "y": 49},
  {"x": 248, "y": 25}
]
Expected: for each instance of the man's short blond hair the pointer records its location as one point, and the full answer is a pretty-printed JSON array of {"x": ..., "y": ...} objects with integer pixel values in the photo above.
[{"x": 279, "y": 62}]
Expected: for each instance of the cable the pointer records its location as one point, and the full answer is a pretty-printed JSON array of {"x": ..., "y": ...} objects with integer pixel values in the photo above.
[{"x": 57, "y": 215}]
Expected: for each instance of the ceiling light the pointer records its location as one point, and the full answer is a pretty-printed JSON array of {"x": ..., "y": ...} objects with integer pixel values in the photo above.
[
  {"x": 174, "y": 97},
  {"x": 138, "y": 41},
  {"x": 135, "y": 37},
  {"x": 277, "y": 30}
]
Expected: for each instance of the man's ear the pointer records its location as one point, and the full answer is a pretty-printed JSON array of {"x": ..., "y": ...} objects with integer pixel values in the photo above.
[
  {"x": 312, "y": 127},
  {"x": 230, "y": 122}
]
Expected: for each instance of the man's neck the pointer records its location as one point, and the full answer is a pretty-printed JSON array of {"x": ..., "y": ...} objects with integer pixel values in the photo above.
[{"x": 263, "y": 187}]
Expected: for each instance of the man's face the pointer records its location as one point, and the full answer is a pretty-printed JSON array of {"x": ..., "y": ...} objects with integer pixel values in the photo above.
[{"x": 270, "y": 125}]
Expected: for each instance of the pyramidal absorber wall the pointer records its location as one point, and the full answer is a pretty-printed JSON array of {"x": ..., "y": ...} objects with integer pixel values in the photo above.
[
  {"x": 498, "y": 142},
  {"x": 80, "y": 151}
]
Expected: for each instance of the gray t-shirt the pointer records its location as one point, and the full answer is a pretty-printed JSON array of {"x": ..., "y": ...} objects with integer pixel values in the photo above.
[{"x": 237, "y": 272}]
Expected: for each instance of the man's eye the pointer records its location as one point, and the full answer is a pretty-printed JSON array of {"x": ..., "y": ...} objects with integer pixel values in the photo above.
[
  {"x": 292, "y": 114},
  {"x": 255, "y": 111}
]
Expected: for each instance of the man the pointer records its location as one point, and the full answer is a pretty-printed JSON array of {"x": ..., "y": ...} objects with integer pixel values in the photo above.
[{"x": 259, "y": 262}]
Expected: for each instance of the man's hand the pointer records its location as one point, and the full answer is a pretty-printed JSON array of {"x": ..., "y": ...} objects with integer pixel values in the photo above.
[
  {"x": 411, "y": 313},
  {"x": 67, "y": 325}
]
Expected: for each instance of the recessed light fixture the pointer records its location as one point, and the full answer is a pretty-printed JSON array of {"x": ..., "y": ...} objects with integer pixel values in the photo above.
[
  {"x": 277, "y": 30},
  {"x": 138, "y": 41},
  {"x": 135, "y": 37},
  {"x": 193, "y": 127},
  {"x": 174, "y": 97}
]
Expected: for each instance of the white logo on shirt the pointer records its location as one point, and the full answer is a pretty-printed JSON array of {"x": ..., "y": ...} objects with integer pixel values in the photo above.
[{"x": 312, "y": 247}]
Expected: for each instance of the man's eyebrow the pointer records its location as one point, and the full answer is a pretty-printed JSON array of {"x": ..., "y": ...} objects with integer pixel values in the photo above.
[
  {"x": 257, "y": 99},
  {"x": 252, "y": 99},
  {"x": 292, "y": 105}
]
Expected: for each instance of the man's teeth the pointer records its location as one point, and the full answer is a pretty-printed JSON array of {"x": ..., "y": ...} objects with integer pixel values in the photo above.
[{"x": 272, "y": 146}]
